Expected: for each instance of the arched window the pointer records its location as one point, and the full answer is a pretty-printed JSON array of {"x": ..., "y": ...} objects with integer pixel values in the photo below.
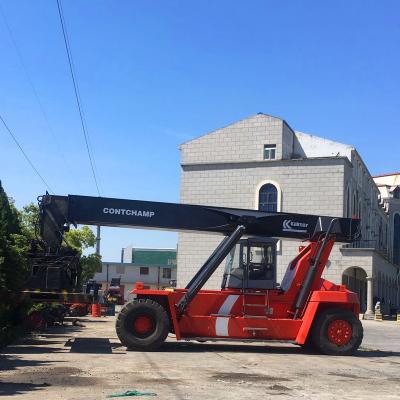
[
  {"x": 268, "y": 198},
  {"x": 396, "y": 239}
]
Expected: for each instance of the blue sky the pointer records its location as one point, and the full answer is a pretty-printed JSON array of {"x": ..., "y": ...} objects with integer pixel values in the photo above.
[{"x": 153, "y": 74}]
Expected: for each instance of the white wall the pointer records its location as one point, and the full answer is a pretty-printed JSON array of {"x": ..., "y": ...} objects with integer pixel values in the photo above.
[{"x": 130, "y": 274}]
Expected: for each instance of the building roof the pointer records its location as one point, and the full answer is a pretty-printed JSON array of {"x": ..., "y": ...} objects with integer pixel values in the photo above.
[
  {"x": 307, "y": 146},
  {"x": 391, "y": 174},
  {"x": 392, "y": 180},
  {"x": 314, "y": 146},
  {"x": 151, "y": 248},
  {"x": 138, "y": 265},
  {"x": 233, "y": 123}
]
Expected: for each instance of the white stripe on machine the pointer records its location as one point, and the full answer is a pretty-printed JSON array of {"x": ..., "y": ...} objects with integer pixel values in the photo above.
[{"x": 221, "y": 323}]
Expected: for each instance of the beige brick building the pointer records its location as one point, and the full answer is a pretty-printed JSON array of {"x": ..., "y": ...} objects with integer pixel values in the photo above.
[{"x": 262, "y": 163}]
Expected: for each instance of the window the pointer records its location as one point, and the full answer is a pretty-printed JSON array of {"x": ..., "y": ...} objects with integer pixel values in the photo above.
[
  {"x": 166, "y": 273},
  {"x": 396, "y": 239},
  {"x": 144, "y": 270},
  {"x": 268, "y": 198},
  {"x": 269, "y": 151},
  {"x": 120, "y": 269},
  {"x": 396, "y": 193}
]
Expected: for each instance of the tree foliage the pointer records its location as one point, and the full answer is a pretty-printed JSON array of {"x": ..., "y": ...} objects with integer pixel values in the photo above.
[
  {"x": 90, "y": 264},
  {"x": 13, "y": 266},
  {"x": 29, "y": 216},
  {"x": 13, "y": 245},
  {"x": 80, "y": 239}
]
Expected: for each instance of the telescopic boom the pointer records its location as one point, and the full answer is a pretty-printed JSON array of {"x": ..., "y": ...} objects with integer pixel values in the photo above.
[{"x": 57, "y": 213}]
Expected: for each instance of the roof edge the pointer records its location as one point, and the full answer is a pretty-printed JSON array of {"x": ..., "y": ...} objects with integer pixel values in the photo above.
[
  {"x": 266, "y": 162},
  {"x": 382, "y": 175}
]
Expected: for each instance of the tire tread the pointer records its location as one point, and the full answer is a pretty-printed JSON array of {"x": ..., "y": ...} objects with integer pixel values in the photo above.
[
  {"x": 144, "y": 344},
  {"x": 322, "y": 343}
]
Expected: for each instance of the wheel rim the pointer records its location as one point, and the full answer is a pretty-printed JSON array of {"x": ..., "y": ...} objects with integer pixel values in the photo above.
[
  {"x": 340, "y": 332},
  {"x": 143, "y": 325}
]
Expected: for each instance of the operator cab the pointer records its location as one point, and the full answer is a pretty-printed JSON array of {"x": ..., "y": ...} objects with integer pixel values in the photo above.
[{"x": 251, "y": 264}]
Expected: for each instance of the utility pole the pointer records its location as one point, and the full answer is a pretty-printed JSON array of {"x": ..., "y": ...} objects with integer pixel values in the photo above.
[{"x": 98, "y": 241}]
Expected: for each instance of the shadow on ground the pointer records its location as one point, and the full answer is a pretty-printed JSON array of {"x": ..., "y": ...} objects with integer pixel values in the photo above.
[
  {"x": 90, "y": 345},
  {"x": 11, "y": 388},
  {"x": 10, "y": 363},
  {"x": 41, "y": 343},
  {"x": 191, "y": 347}
]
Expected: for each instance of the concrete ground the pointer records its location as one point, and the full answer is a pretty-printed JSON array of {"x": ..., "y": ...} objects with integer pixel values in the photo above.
[{"x": 89, "y": 363}]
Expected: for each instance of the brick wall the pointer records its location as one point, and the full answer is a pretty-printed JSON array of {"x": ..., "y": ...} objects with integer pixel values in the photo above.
[{"x": 241, "y": 141}]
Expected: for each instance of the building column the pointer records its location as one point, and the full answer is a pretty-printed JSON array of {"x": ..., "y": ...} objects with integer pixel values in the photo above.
[{"x": 370, "y": 295}]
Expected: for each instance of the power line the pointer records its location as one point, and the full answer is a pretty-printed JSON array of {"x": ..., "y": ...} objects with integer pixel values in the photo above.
[
  {"x": 25, "y": 155},
  {"x": 40, "y": 104},
  {"x": 81, "y": 115}
]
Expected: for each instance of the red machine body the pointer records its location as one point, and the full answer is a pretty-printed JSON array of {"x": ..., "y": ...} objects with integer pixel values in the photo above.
[{"x": 256, "y": 314}]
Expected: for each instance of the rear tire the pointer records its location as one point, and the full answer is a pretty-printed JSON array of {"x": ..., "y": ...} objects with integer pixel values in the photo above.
[
  {"x": 337, "y": 332},
  {"x": 142, "y": 324}
]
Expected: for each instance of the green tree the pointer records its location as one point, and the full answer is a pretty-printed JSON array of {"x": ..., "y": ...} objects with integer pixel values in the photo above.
[
  {"x": 80, "y": 239},
  {"x": 90, "y": 264},
  {"x": 13, "y": 245},
  {"x": 13, "y": 267},
  {"x": 29, "y": 216}
]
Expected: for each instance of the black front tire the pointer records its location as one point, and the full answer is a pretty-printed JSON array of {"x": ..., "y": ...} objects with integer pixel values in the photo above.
[
  {"x": 144, "y": 341},
  {"x": 320, "y": 336}
]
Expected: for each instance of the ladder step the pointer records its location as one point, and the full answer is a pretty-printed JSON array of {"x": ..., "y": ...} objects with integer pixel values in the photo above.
[
  {"x": 255, "y": 329},
  {"x": 254, "y": 293},
  {"x": 221, "y": 315},
  {"x": 255, "y": 305},
  {"x": 255, "y": 316}
]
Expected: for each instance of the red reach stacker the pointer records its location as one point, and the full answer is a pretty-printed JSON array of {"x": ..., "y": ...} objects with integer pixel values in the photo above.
[{"x": 303, "y": 308}]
